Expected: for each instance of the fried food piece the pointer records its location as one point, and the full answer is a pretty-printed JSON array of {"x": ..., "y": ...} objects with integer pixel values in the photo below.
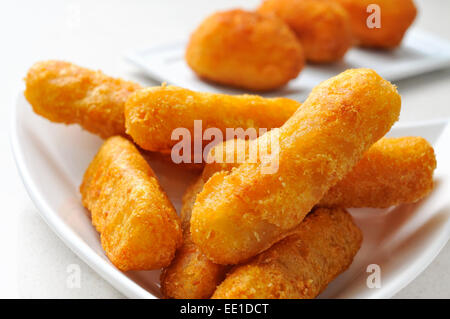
[
  {"x": 66, "y": 93},
  {"x": 138, "y": 226},
  {"x": 188, "y": 202},
  {"x": 302, "y": 265},
  {"x": 393, "y": 171},
  {"x": 323, "y": 27},
  {"x": 152, "y": 114},
  {"x": 227, "y": 155},
  {"x": 241, "y": 213},
  {"x": 245, "y": 50},
  {"x": 395, "y": 18},
  {"x": 167, "y": 158},
  {"x": 191, "y": 275}
]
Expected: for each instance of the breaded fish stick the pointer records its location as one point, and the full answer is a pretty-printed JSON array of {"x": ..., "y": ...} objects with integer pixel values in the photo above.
[
  {"x": 138, "y": 226},
  {"x": 152, "y": 114},
  {"x": 300, "y": 266},
  {"x": 241, "y": 213},
  {"x": 393, "y": 171},
  {"x": 191, "y": 275},
  {"x": 66, "y": 93}
]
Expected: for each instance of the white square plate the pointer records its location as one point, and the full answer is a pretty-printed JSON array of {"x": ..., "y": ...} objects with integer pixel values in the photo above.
[
  {"x": 420, "y": 53},
  {"x": 52, "y": 158}
]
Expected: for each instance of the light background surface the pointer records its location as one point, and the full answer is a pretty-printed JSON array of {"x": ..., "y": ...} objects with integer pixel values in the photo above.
[{"x": 34, "y": 262}]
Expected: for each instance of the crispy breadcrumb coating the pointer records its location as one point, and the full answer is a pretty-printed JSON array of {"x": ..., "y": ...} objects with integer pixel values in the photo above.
[
  {"x": 191, "y": 275},
  {"x": 152, "y": 114},
  {"x": 66, "y": 93},
  {"x": 245, "y": 49},
  {"x": 225, "y": 156},
  {"x": 138, "y": 226},
  {"x": 188, "y": 202},
  {"x": 301, "y": 265},
  {"x": 241, "y": 213},
  {"x": 395, "y": 18},
  {"x": 323, "y": 27},
  {"x": 393, "y": 171}
]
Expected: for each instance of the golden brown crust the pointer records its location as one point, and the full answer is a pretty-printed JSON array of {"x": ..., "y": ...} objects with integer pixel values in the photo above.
[
  {"x": 323, "y": 27},
  {"x": 188, "y": 202},
  {"x": 243, "y": 212},
  {"x": 301, "y": 265},
  {"x": 139, "y": 227},
  {"x": 167, "y": 157},
  {"x": 66, "y": 93},
  {"x": 396, "y": 17},
  {"x": 246, "y": 50},
  {"x": 191, "y": 275},
  {"x": 219, "y": 157},
  {"x": 152, "y": 114},
  {"x": 394, "y": 171}
]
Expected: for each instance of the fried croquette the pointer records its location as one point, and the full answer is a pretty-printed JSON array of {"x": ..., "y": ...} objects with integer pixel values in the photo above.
[
  {"x": 66, "y": 93},
  {"x": 246, "y": 50},
  {"x": 152, "y": 114},
  {"x": 226, "y": 155},
  {"x": 188, "y": 202},
  {"x": 138, "y": 226},
  {"x": 395, "y": 17},
  {"x": 191, "y": 275},
  {"x": 301, "y": 265},
  {"x": 323, "y": 27},
  {"x": 393, "y": 171},
  {"x": 241, "y": 213}
]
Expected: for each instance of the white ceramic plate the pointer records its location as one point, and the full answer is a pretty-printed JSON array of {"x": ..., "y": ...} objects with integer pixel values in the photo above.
[
  {"x": 420, "y": 53},
  {"x": 52, "y": 158}
]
